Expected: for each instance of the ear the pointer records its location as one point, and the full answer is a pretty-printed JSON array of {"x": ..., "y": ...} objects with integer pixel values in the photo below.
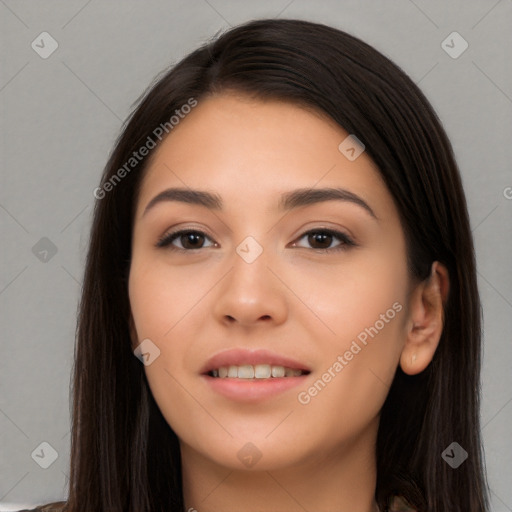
[{"x": 426, "y": 320}]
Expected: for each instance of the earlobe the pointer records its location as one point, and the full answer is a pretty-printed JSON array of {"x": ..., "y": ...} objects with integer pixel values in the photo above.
[{"x": 425, "y": 326}]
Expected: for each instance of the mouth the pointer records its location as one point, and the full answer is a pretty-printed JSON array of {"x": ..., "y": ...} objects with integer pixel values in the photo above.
[
  {"x": 253, "y": 364},
  {"x": 255, "y": 372},
  {"x": 252, "y": 375}
]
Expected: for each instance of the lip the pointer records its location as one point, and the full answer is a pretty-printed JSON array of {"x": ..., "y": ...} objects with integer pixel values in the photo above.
[
  {"x": 239, "y": 357},
  {"x": 252, "y": 390}
]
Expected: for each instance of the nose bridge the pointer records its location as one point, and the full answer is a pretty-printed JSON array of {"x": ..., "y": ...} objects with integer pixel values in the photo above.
[
  {"x": 250, "y": 291},
  {"x": 249, "y": 275},
  {"x": 250, "y": 250}
]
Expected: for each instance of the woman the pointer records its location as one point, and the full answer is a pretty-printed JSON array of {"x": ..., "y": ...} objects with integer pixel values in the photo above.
[{"x": 282, "y": 238}]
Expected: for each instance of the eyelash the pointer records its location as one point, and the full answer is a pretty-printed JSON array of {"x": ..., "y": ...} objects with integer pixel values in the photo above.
[{"x": 347, "y": 242}]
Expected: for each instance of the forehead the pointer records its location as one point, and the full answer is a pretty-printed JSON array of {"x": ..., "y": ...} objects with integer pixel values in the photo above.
[{"x": 244, "y": 147}]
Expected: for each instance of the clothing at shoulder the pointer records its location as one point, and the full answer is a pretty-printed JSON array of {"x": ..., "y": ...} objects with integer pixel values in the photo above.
[{"x": 56, "y": 506}]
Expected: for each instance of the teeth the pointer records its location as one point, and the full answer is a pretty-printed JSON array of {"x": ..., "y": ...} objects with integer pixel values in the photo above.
[
  {"x": 262, "y": 371},
  {"x": 258, "y": 371},
  {"x": 278, "y": 371},
  {"x": 245, "y": 372}
]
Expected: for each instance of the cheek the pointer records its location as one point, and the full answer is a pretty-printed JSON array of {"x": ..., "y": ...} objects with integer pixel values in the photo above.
[
  {"x": 160, "y": 296},
  {"x": 147, "y": 307},
  {"x": 367, "y": 289},
  {"x": 159, "y": 300},
  {"x": 363, "y": 304},
  {"x": 359, "y": 362},
  {"x": 156, "y": 309},
  {"x": 169, "y": 307}
]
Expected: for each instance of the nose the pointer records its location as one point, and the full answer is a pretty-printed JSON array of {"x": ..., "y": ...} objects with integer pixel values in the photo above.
[{"x": 250, "y": 294}]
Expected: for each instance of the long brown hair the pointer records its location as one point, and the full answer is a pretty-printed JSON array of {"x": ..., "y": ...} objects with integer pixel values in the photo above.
[{"x": 124, "y": 455}]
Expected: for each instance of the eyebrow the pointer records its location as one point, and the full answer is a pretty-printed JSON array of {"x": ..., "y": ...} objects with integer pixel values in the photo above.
[{"x": 288, "y": 201}]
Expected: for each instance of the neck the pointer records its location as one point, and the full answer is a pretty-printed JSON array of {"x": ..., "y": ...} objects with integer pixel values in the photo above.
[{"x": 342, "y": 480}]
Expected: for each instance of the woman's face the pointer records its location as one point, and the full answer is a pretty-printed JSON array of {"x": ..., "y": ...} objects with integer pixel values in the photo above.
[{"x": 312, "y": 285}]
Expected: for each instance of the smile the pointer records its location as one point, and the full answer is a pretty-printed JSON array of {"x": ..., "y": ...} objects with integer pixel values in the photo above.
[{"x": 258, "y": 371}]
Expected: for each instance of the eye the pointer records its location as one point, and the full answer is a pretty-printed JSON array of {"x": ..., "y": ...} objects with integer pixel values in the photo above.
[
  {"x": 323, "y": 238},
  {"x": 320, "y": 239},
  {"x": 189, "y": 239}
]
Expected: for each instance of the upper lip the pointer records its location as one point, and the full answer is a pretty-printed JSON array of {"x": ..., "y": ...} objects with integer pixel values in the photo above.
[{"x": 239, "y": 356}]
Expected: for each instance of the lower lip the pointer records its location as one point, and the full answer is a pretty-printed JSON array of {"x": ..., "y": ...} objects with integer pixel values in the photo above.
[{"x": 252, "y": 390}]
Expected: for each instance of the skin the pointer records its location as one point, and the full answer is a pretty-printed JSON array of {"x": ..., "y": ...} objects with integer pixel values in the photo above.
[{"x": 294, "y": 299}]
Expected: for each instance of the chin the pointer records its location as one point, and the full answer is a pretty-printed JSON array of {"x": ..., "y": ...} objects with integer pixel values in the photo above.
[{"x": 252, "y": 453}]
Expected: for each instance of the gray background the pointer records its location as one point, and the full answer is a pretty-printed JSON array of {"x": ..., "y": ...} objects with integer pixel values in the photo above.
[{"x": 61, "y": 115}]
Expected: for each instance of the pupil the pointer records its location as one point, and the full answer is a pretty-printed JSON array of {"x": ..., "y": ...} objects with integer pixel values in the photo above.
[
  {"x": 192, "y": 239},
  {"x": 321, "y": 238}
]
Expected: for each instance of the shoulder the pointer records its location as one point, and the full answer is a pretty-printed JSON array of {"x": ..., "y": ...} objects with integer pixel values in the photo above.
[{"x": 56, "y": 506}]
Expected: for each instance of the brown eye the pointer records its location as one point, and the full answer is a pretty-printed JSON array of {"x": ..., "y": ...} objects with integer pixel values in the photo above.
[
  {"x": 321, "y": 239},
  {"x": 324, "y": 240},
  {"x": 187, "y": 240}
]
